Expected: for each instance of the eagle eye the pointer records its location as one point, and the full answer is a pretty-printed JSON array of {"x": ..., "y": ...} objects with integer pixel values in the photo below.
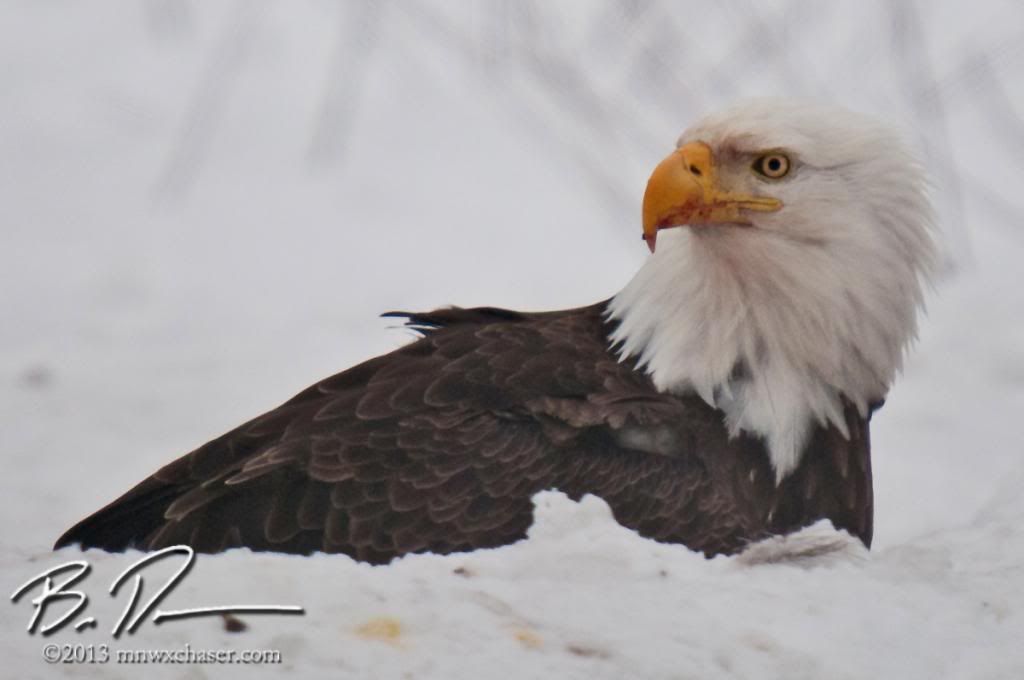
[{"x": 773, "y": 165}]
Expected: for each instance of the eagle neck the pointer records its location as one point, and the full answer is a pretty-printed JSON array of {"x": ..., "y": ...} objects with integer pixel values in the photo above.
[{"x": 763, "y": 329}]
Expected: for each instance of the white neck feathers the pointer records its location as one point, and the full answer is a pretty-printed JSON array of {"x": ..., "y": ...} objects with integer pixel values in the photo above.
[{"x": 773, "y": 331}]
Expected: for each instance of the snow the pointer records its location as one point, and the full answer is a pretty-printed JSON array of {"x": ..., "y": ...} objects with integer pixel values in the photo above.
[{"x": 205, "y": 206}]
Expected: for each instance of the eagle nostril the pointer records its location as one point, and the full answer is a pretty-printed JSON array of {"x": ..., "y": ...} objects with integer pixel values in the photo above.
[{"x": 694, "y": 170}]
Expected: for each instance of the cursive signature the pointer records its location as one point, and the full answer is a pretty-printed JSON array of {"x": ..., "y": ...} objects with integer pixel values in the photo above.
[{"x": 76, "y": 570}]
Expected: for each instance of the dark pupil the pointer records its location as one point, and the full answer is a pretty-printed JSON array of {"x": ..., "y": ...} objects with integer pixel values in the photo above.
[{"x": 774, "y": 164}]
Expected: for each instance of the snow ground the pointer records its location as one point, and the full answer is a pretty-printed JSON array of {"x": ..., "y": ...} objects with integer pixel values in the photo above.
[{"x": 205, "y": 206}]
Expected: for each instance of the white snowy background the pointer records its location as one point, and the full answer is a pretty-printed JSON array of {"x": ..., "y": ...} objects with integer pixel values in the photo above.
[{"x": 205, "y": 205}]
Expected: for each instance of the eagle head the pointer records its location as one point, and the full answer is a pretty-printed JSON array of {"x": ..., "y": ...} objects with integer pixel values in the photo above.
[{"x": 790, "y": 245}]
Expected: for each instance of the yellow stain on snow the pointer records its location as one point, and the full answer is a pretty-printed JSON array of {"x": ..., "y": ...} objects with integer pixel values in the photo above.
[
  {"x": 383, "y": 628},
  {"x": 528, "y": 638}
]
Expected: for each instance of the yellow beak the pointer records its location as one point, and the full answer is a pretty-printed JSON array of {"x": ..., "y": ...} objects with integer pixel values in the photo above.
[{"x": 683, "y": 189}]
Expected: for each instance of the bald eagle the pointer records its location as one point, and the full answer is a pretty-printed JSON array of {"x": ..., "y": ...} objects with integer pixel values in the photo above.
[{"x": 723, "y": 396}]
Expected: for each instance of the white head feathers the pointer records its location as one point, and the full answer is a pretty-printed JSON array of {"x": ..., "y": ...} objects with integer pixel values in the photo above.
[{"x": 776, "y": 322}]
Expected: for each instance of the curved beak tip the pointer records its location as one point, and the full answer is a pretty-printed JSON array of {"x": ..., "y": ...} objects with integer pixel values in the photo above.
[{"x": 651, "y": 240}]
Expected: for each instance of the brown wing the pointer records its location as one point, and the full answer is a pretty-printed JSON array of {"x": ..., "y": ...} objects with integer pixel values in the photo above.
[{"x": 440, "y": 445}]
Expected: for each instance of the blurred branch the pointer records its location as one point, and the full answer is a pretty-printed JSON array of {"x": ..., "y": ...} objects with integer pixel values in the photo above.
[
  {"x": 355, "y": 41},
  {"x": 912, "y": 65},
  {"x": 205, "y": 108},
  {"x": 168, "y": 18}
]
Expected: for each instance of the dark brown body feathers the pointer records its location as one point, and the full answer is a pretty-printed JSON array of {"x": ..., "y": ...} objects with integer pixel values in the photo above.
[{"x": 440, "y": 445}]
